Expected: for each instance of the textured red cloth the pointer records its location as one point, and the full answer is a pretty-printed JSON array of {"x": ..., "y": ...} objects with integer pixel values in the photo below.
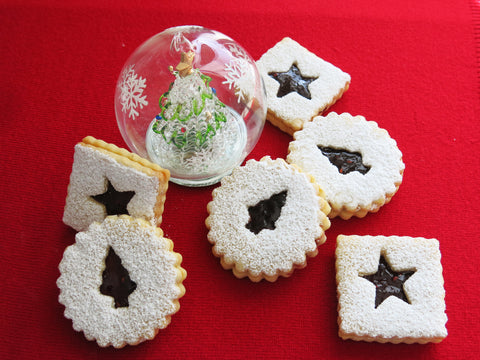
[{"x": 415, "y": 70}]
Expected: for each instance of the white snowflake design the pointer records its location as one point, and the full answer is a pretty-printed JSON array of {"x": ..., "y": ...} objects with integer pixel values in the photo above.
[
  {"x": 240, "y": 75},
  {"x": 181, "y": 44},
  {"x": 131, "y": 96}
]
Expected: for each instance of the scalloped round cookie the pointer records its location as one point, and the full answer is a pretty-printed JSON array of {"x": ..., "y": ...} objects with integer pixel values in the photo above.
[
  {"x": 120, "y": 282},
  {"x": 265, "y": 219},
  {"x": 356, "y": 163}
]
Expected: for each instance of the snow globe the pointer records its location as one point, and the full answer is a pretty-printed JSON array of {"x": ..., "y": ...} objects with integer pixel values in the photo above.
[{"x": 191, "y": 100}]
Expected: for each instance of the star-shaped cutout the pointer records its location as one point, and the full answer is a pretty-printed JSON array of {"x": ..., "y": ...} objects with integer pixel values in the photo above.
[
  {"x": 388, "y": 282},
  {"x": 115, "y": 201},
  {"x": 291, "y": 81}
]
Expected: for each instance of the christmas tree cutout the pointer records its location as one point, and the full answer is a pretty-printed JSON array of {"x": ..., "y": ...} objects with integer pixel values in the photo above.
[
  {"x": 265, "y": 213},
  {"x": 191, "y": 113},
  {"x": 344, "y": 160},
  {"x": 116, "y": 281}
]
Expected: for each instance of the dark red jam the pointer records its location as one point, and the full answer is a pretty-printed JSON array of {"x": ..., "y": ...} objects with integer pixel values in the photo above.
[
  {"x": 293, "y": 81},
  {"x": 116, "y": 281},
  {"x": 265, "y": 213},
  {"x": 115, "y": 202},
  {"x": 388, "y": 282},
  {"x": 344, "y": 160}
]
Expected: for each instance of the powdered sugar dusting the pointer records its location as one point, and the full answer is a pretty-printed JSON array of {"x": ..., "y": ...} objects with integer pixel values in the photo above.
[
  {"x": 90, "y": 171},
  {"x": 298, "y": 228},
  {"x": 352, "y": 133},
  {"x": 422, "y": 320},
  {"x": 151, "y": 265}
]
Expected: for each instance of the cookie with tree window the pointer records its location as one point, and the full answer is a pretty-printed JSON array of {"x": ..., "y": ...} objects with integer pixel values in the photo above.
[
  {"x": 356, "y": 163},
  {"x": 121, "y": 281},
  {"x": 266, "y": 219}
]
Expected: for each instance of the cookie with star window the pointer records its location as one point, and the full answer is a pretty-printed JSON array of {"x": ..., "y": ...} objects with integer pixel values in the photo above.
[
  {"x": 299, "y": 84},
  {"x": 390, "y": 289},
  {"x": 107, "y": 180},
  {"x": 355, "y": 162}
]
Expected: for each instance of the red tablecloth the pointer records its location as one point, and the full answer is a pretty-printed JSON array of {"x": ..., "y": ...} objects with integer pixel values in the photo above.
[{"x": 415, "y": 70}]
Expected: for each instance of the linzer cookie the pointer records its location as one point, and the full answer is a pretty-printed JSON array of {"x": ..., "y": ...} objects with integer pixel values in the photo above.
[
  {"x": 107, "y": 180},
  {"x": 390, "y": 289},
  {"x": 265, "y": 219},
  {"x": 120, "y": 282},
  {"x": 356, "y": 163},
  {"x": 299, "y": 84}
]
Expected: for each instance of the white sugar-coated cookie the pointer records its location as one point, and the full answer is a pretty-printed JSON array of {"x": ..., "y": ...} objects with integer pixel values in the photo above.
[
  {"x": 351, "y": 192},
  {"x": 415, "y": 269},
  {"x": 151, "y": 264},
  {"x": 242, "y": 207},
  {"x": 326, "y": 84},
  {"x": 102, "y": 168}
]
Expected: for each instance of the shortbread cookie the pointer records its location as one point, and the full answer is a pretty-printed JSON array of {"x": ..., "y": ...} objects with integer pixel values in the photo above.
[
  {"x": 356, "y": 163},
  {"x": 299, "y": 84},
  {"x": 390, "y": 289},
  {"x": 107, "y": 180},
  {"x": 120, "y": 282},
  {"x": 265, "y": 219}
]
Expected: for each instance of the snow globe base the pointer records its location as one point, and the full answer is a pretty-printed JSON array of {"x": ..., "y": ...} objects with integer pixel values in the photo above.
[
  {"x": 200, "y": 182},
  {"x": 200, "y": 164},
  {"x": 199, "y": 119}
]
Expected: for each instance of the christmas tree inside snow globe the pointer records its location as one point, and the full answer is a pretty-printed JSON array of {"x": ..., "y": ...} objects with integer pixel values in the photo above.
[
  {"x": 190, "y": 113},
  {"x": 209, "y": 109},
  {"x": 194, "y": 132}
]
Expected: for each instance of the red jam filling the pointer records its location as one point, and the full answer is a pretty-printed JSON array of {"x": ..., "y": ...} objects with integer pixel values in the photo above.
[
  {"x": 265, "y": 213},
  {"x": 116, "y": 281},
  {"x": 115, "y": 202},
  {"x": 344, "y": 160},
  {"x": 388, "y": 282},
  {"x": 293, "y": 81}
]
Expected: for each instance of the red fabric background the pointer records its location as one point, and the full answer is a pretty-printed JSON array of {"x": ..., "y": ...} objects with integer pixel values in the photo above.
[{"x": 415, "y": 70}]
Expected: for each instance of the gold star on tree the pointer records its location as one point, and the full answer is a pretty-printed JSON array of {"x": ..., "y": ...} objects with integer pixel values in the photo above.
[{"x": 185, "y": 66}]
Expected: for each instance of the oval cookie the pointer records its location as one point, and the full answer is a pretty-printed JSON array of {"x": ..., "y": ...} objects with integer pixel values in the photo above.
[{"x": 120, "y": 282}]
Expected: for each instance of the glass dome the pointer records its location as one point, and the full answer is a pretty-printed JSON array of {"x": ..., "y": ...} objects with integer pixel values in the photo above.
[{"x": 191, "y": 100}]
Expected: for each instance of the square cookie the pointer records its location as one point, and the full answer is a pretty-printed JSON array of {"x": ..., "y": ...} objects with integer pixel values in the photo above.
[
  {"x": 299, "y": 84},
  {"x": 107, "y": 180},
  {"x": 390, "y": 289}
]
